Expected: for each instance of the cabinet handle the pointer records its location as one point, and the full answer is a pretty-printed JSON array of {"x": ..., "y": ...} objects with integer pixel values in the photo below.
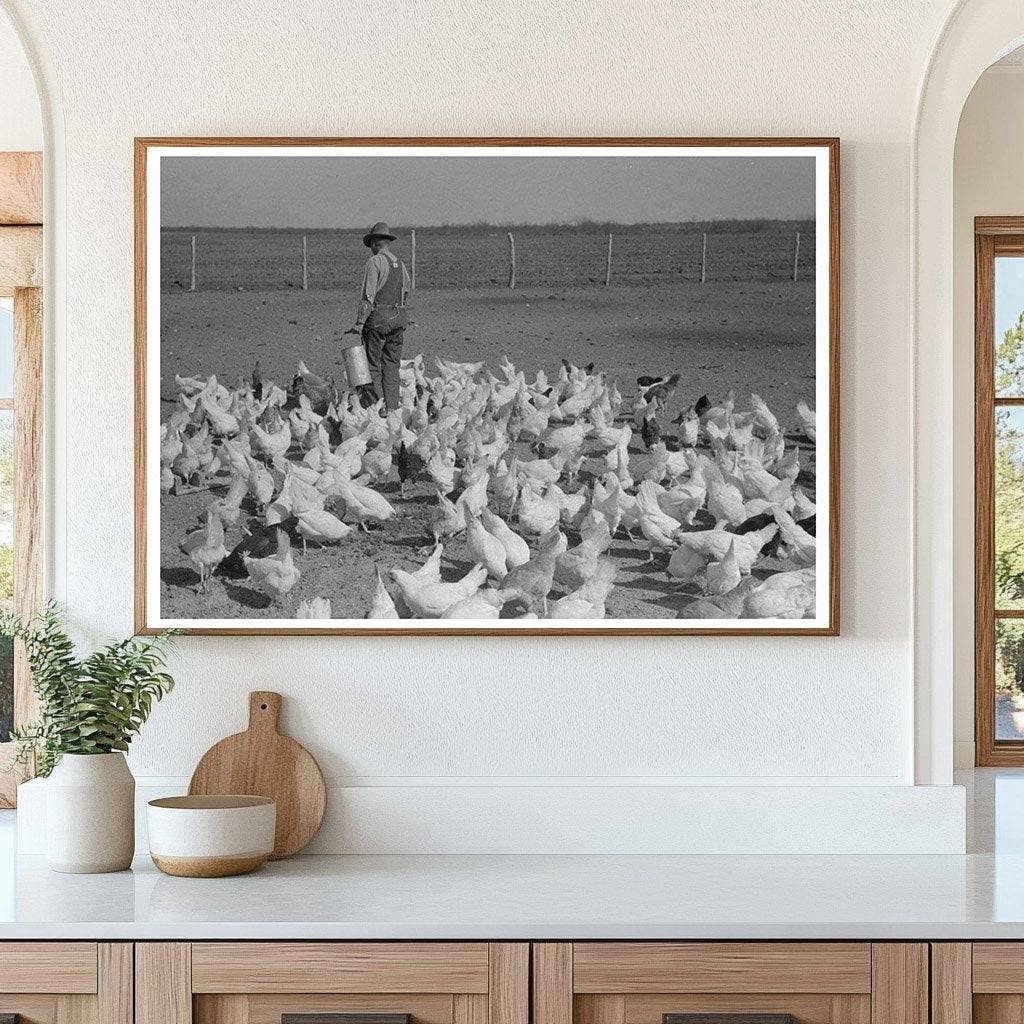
[
  {"x": 336, "y": 1018},
  {"x": 728, "y": 1018}
]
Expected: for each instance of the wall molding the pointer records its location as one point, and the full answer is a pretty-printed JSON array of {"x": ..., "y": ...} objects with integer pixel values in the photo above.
[
  {"x": 180, "y": 784},
  {"x": 599, "y": 819},
  {"x": 963, "y": 755}
]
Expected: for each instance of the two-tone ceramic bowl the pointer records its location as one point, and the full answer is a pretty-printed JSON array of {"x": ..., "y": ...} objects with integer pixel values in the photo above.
[{"x": 211, "y": 836}]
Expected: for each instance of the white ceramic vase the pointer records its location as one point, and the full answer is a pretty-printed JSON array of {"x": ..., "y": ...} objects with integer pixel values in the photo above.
[{"x": 90, "y": 814}]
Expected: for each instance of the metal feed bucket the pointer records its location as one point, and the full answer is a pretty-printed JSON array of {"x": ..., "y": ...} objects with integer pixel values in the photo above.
[{"x": 357, "y": 369}]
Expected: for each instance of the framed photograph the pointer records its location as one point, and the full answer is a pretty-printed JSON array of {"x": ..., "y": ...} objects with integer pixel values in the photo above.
[{"x": 487, "y": 386}]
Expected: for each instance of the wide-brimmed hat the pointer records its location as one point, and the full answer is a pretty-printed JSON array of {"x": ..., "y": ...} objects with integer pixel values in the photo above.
[{"x": 379, "y": 230}]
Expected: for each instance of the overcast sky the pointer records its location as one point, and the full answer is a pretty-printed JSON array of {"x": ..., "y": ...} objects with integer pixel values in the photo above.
[{"x": 354, "y": 192}]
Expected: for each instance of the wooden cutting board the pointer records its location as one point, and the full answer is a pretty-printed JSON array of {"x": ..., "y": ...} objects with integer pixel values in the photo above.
[{"x": 262, "y": 762}]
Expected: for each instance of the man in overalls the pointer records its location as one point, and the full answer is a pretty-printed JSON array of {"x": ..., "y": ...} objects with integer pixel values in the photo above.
[{"x": 381, "y": 318}]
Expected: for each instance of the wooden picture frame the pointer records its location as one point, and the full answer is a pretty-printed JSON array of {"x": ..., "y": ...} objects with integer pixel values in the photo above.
[{"x": 826, "y": 150}]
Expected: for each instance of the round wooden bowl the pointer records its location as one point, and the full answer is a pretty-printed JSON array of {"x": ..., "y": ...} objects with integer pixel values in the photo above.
[{"x": 211, "y": 836}]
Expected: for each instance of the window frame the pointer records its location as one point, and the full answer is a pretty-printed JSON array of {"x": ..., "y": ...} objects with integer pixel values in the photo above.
[{"x": 993, "y": 237}]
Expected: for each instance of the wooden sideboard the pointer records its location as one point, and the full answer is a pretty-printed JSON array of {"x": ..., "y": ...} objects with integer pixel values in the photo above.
[{"x": 511, "y": 982}]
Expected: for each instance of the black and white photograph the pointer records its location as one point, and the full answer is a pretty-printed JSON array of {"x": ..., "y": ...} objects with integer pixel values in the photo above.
[{"x": 453, "y": 387}]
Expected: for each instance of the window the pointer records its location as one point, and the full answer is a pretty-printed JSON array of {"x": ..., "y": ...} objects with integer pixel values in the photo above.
[
  {"x": 999, "y": 490},
  {"x": 21, "y": 376},
  {"x": 20, "y": 494},
  {"x": 6, "y": 510},
  {"x": 21, "y": 353}
]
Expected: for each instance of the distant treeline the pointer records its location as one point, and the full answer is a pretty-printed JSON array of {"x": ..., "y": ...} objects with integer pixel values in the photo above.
[{"x": 717, "y": 227}]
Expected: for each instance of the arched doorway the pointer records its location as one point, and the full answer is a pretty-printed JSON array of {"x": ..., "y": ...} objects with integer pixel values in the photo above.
[{"x": 975, "y": 35}]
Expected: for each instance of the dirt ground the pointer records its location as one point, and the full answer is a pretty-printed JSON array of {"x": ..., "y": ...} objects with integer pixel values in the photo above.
[{"x": 754, "y": 337}]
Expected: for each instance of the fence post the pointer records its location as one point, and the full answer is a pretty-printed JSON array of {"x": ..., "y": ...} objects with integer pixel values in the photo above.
[
  {"x": 511, "y": 261},
  {"x": 704, "y": 258},
  {"x": 796, "y": 257},
  {"x": 412, "y": 260},
  {"x": 608, "y": 264},
  {"x": 305, "y": 266},
  {"x": 192, "y": 274}
]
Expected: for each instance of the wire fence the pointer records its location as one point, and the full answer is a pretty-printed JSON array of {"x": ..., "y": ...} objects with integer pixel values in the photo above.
[{"x": 480, "y": 257}]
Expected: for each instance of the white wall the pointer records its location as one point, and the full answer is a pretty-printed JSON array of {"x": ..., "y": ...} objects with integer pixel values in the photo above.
[
  {"x": 489, "y": 712},
  {"x": 21, "y": 125},
  {"x": 988, "y": 181}
]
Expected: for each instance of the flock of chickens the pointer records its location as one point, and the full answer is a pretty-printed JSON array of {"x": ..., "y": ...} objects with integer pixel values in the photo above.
[{"x": 537, "y": 477}]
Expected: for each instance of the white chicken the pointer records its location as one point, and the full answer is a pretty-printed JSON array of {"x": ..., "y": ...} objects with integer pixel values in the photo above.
[
  {"x": 484, "y": 548},
  {"x": 364, "y": 504},
  {"x": 205, "y": 546},
  {"x": 543, "y": 471},
  {"x": 764, "y": 418},
  {"x": 474, "y": 498},
  {"x": 221, "y": 421},
  {"x": 320, "y": 526},
  {"x": 575, "y": 566},
  {"x": 382, "y": 606},
  {"x": 588, "y": 602},
  {"x": 517, "y": 551},
  {"x": 271, "y": 444},
  {"x": 808, "y": 420},
  {"x": 684, "y": 500},
  {"x": 506, "y": 484},
  {"x": 441, "y": 468},
  {"x": 594, "y": 530},
  {"x": 725, "y": 503},
  {"x": 484, "y": 604},
  {"x": 314, "y": 608},
  {"x": 429, "y": 600},
  {"x": 430, "y": 570},
  {"x": 660, "y": 529},
  {"x": 537, "y": 515},
  {"x": 261, "y": 482},
  {"x": 784, "y": 595},
  {"x": 274, "y": 576},
  {"x": 800, "y": 546},
  {"x": 447, "y": 519},
  {"x": 573, "y": 505},
  {"x": 723, "y": 576},
  {"x": 697, "y": 549}
]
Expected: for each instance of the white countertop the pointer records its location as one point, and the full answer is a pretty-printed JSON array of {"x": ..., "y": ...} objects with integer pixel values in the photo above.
[{"x": 532, "y": 897}]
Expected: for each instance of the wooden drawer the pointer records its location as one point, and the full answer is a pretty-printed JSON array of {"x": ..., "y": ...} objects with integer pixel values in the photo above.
[
  {"x": 62, "y": 982},
  {"x": 815, "y": 982},
  {"x": 48, "y": 967},
  {"x": 997, "y": 968},
  {"x": 258, "y": 982},
  {"x": 340, "y": 967},
  {"x": 630, "y": 967}
]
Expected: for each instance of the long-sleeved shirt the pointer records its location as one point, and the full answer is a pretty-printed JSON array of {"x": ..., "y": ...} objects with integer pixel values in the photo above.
[{"x": 379, "y": 268}]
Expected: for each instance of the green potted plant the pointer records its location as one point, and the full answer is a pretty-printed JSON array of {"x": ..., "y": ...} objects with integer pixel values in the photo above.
[{"x": 89, "y": 710}]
